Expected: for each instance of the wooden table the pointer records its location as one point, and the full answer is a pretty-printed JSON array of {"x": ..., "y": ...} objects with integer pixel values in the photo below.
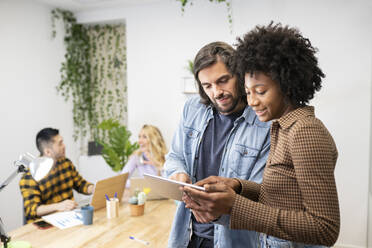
[{"x": 154, "y": 226}]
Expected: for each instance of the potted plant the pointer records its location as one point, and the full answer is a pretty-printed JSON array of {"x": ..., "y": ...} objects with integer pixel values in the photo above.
[
  {"x": 114, "y": 138},
  {"x": 137, "y": 202},
  {"x": 190, "y": 67},
  {"x": 189, "y": 84}
]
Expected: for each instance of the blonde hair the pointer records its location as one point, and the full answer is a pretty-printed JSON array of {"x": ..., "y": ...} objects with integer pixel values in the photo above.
[{"x": 157, "y": 145}]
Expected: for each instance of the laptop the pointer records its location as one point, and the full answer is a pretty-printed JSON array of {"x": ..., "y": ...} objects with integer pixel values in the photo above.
[
  {"x": 108, "y": 186},
  {"x": 138, "y": 183}
]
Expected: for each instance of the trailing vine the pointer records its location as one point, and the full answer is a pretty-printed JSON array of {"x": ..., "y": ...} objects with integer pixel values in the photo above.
[
  {"x": 93, "y": 74},
  {"x": 108, "y": 71},
  {"x": 228, "y": 6},
  {"x": 76, "y": 80}
]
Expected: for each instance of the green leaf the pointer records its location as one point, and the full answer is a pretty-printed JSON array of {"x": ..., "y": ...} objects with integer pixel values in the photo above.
[
  {"x": 116, "y": 143},
  {"x": 87, "y": 69}
]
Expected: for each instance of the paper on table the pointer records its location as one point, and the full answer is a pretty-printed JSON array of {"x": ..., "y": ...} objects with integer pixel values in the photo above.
[{"x": 64, "y": 220}]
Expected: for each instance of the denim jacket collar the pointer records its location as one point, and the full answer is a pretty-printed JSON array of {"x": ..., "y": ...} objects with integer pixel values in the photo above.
[
  {"x": 248, "y": 115},
  {"x": 249, "y": 136}
]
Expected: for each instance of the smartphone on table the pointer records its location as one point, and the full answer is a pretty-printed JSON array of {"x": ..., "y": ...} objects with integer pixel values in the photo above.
[{"x": 41, "y": 224}]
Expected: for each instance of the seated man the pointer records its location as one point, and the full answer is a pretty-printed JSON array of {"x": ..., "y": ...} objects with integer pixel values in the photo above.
[{"x": 53, "y": 192}]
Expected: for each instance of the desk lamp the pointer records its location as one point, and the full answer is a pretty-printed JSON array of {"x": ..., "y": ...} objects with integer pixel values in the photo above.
[{"x": 39, "y": 168}]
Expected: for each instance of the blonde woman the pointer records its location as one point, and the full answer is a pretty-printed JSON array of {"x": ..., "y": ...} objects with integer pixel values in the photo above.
[{"x": 150, "y": 157}]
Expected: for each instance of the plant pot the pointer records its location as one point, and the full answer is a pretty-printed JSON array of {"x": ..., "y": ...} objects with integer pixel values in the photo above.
[
  {"x": 137, "y": 210},
  {"x": 94, "y": 148}
]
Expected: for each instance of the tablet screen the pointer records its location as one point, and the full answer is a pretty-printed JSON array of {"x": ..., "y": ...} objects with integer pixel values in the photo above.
[{"x": 167, "y": 187}]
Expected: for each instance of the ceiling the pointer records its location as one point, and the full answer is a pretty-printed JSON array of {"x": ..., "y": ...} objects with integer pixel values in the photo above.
[{"x": 81, "y": 5}]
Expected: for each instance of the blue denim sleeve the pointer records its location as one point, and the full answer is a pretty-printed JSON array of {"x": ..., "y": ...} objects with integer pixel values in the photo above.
[
  {"x": 223, "y": 220},
  {"x": 175, "y": 161}
]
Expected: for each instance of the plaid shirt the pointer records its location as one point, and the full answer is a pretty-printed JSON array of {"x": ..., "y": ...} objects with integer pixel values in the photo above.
[
  {"x": 55, "y": 187},
  {"x": 297, "y": 199}
]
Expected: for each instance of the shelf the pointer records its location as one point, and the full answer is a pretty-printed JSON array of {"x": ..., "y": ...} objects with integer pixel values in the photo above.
[{"x": 189, "y": 86}]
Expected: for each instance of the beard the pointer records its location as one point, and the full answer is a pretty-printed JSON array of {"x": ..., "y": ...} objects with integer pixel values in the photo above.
[
  {"x": 229, "y": 108},
  {"x": 59, "y": 155}
]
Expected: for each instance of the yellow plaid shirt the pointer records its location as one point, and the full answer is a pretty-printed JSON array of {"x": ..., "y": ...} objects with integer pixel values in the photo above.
[{"x": 55, "y": 187}]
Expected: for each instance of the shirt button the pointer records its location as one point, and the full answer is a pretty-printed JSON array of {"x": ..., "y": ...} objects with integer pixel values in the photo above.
[{"x": 223, "y": 169}]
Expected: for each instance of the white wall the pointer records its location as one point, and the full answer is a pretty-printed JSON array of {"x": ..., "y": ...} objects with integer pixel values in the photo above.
[
  {"x": 160, "y": 41},
  {"x": 29, "y": 72}
]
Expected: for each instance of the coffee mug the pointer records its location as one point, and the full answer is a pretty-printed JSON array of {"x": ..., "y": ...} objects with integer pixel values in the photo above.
[{"x": 87, "y": 214}]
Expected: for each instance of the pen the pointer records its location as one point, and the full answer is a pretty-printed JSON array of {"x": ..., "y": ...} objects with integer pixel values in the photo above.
[
  {"x": 107, "y": 198},
  {"x": 116, "y": 195},
  {"x": 138, "y": 240}
]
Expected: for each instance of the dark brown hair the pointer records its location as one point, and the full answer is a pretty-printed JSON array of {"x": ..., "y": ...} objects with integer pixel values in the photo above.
[{"x": 209, "y": 55}]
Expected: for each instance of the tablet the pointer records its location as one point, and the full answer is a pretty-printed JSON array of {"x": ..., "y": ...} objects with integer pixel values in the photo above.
[{"x": 167, "y": 187}]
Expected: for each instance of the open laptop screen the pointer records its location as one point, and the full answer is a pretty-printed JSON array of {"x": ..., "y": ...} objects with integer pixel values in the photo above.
[{"x": 108, "y": 186}]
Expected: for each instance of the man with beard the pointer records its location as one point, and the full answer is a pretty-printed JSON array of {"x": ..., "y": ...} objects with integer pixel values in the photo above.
[
  {"x": 218, "y": 135},
  {"x": 53, "y": 192}
]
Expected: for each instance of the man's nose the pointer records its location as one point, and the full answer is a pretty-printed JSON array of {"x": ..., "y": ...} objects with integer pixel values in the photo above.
[{"x": 217, "y": 91}]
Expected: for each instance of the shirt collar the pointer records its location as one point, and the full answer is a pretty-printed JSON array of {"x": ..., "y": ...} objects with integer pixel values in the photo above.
[
  {"x": 289, "y": 119},
  {"x": 249, "y": 115}
]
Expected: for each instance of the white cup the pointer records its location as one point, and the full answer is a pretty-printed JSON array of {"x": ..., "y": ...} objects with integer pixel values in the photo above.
[{"x": 112, "y": 208}]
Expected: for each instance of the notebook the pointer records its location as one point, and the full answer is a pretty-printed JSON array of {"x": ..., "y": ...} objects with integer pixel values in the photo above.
[
  {"x": 109, "y": 186},
  {"x": 138, "y": 183}
]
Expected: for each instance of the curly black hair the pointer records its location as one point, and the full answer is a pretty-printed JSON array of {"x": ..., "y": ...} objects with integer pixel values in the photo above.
[{"x": 283, "y": 54}]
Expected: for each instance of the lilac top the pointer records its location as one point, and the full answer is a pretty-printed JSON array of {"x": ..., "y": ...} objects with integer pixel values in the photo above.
[{"x": 136, "y": 168}]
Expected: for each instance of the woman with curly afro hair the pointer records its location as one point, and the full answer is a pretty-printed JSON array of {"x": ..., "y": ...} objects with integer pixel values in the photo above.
[{"x": 297, "y": 204}]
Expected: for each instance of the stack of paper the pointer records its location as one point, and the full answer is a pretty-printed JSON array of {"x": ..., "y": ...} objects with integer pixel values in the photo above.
[{"x": 64, "y": 220}]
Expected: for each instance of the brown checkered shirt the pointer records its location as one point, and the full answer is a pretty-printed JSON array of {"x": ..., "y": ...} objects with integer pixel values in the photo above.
[{"x": 297, "y": 199}]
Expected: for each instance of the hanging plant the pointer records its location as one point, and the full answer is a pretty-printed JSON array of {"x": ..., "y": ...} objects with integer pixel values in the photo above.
[
  {"x": 228, "y": 6},
  {"x": 76, "y": 82},
  {"x": 108, "y": 71},
  {"x": 93, "y": 74}
]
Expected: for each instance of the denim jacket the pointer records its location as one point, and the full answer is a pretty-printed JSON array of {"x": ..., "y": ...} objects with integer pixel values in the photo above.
[{"x": 244, "y": 156}]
